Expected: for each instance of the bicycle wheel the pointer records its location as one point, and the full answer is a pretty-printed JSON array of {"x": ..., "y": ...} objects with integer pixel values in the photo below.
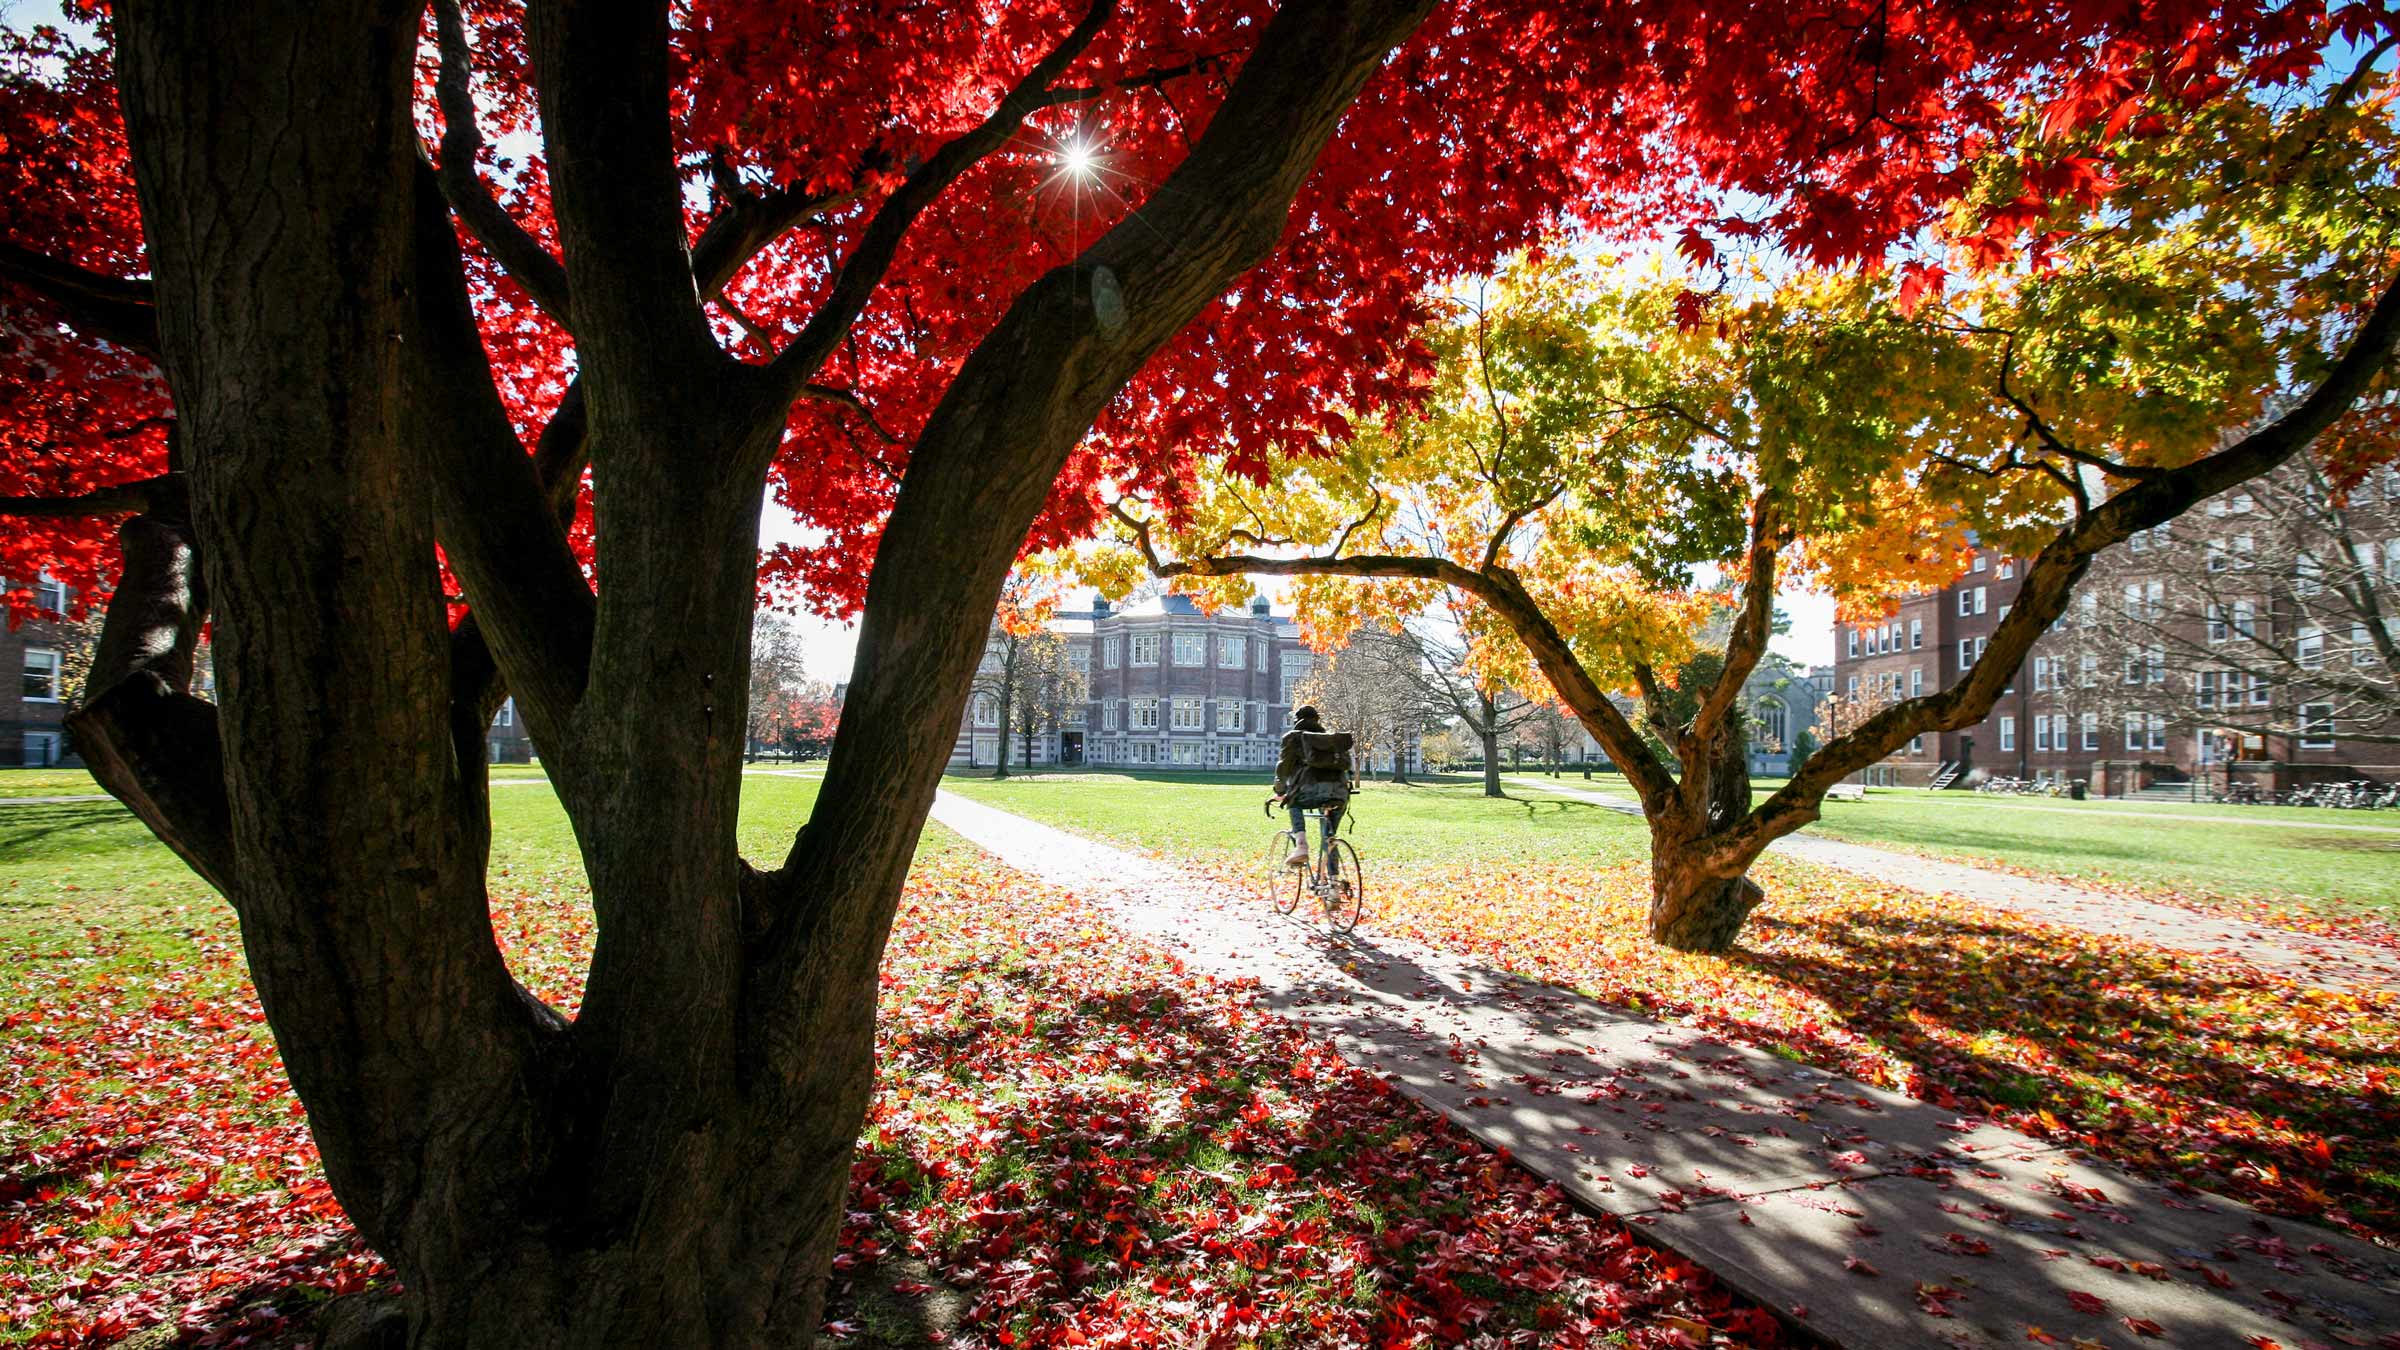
[
  {"x": 1345, "y": 895},
  {"x": 1281, "y": 882}
]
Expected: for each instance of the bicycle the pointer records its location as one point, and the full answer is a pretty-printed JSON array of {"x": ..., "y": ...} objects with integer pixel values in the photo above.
[{"x": 1340, "y": 890}]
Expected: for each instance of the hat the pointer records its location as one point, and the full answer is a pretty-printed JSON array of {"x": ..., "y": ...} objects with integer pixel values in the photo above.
[{"x": 1306, "y": 715}]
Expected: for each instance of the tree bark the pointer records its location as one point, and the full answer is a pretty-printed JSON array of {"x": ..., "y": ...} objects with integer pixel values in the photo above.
[
  {"x": 1488, "y": 731},
  {"x": 1693, "y": 908}
]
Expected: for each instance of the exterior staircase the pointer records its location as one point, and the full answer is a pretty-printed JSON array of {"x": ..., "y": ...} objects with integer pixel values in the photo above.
[
  {"x": 2162, "y": 792},
  {"x": 1946, "y": 775}
]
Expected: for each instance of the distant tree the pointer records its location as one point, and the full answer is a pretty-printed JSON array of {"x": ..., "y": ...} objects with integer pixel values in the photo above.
[
  {"x": 1373, "y": 689},
  {"x": 1046, "y": 685},
  {"x": 1804, "y": 744},
  {"x": 778, "y": 679},
  {"x": 1482, "y": 705}
]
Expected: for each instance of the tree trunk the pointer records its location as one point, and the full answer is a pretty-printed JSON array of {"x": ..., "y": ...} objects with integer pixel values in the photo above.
[
  {"x": 1693, "y": 909},
  {"x": 1491, "y": 761}
]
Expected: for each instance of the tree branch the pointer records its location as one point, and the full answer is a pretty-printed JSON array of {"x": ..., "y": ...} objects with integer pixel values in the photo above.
[
  {"x": 112, "y": 309},
  {"x": 510, "y": 244},
  {"x": 100, "y": 501},
  {"x": 854, "y": 284}
]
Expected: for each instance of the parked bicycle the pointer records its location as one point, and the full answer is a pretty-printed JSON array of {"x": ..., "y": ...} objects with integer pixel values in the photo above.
[{"x": 1332, "y": 881}]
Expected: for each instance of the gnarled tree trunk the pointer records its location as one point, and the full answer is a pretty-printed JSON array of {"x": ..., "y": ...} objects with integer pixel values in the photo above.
[{"x": 666, "y": 1167}]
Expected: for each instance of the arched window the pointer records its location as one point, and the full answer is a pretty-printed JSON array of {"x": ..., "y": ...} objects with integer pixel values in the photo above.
[{"x": 1773, "y": 723}]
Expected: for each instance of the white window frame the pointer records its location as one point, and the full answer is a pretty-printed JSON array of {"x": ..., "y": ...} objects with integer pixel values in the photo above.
[
  {"x": 1112, "y": 651},
  {"x": 1229, "y": 714},
  {"x": 51, "y": 667},
  {"x": 1231, "y": 645},
  {"x": 1190, "y": 648},
  {"x": 1186, "y": 715},
  {"x": 1145, "y": 642},
  {"x": 2008, "y": 732},
  {"x": 2315, "y": 726},
  {"x": 2091, "y": 731},
  {"x": 1144, "y": 714},
  {"x": 49, "y": 593}
]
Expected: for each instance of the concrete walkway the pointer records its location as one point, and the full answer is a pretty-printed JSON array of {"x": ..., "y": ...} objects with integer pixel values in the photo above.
[
  {"x": 2322, "y": 961},
  {"x": 1875, "y": 1220}
]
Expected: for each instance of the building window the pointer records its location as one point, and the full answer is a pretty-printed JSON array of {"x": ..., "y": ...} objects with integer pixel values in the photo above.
[
  {"x": 1187, "y": 714},
  {"x": 2258, "y": 690},
  {"x": 41, "y": 749},
  {"x": 1853, "y": 691},
  {"x": 50, "y": 594},
  {"x": 2154, "y": 599},
  {"x": 2154, "y": 661},
  {"x": 1980, "y": 644},
  {"x": 1851, "y": 645},
  {"x": 1966, "y": 602},
  {"x": 1291, "y": 683},
  {"x": 1916, "y": 745},
  {"x": 2362, "y": 652},
  {"x": 2041, "y": 674},
  {"x": 987, "y": 711},
  {"x": 1980, "y": 598},
  {"x": 1916, "y": 681},
  {"x": 2041, "y": 733},
  {"x": 2204, "y": 689},
  {"x": 1186, "y": 752},
  {"x": 2008, "y": 569},
  {"x": 1109, "y": 715},
  {"x": 2245, "y": 619},
  {"x": 2217, "y": 561},
  {"x": 1772, "y": 719},
  {"x": 2316, "y": 726},
  {"x": 2218, "y": 629},
  {"x": 1229, "y": 651},
  {"x": 2091, "y": 731},
  {"x": 986, "y": 751},
  {"x": 2310, "y": 649},
  {"x": 2090, "y": 605},
  {"x": 1145, "y": 649},
  {"x": 1981, "y": 562},
  {"x": 1259, "y": 661},
  {"x": 1111, "y": 648},
  {"x": 41, "y": 675},
  {"x": 1229, "y": 715},
  {"x": 2008, "y": 733},
  {"x": 2158, "y": 731},
  {"x": 2133, "y": 600},
  {"x": 1916, "y": 634},
  {"x": 1966, "y": 653},
  {"x": 1191, "y": 649},
  {"x": 2133, "y": 732},
  {"x": 507, "y": 716},
  {"x": 1145, "y": 710}
]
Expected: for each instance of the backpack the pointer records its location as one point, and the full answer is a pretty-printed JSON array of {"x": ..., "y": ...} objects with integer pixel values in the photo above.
[{"x": 1327, "y": 754}]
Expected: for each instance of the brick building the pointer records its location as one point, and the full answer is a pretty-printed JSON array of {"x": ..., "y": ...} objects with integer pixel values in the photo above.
[
  {"x": 1166, "y": 686},
  {"x": 2234, "y": 644},
  {"x": 32, "y": 731}
]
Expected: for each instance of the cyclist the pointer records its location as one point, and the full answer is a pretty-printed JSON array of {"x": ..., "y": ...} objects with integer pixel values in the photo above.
[{"x": 1313, "y": 771}]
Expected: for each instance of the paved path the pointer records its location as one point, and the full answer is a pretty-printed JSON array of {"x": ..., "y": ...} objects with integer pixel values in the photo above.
[
  {"x": 1773, "y": 1175},
  {"x": 2319, "y": 960}
]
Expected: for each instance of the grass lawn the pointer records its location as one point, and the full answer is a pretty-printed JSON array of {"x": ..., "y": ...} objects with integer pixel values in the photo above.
[
  {"x": 46, "y": 783},
  {"x": 2186, "y": 850},
  {"x": 2232, "y": 1079},
  {"x": 1072, "y": 1142},
  {"x": 2335, "y": 864},
  {"x": 1438, "y": 818}
]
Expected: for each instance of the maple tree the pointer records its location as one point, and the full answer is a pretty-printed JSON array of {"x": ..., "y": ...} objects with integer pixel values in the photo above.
[
  {"x": 430, "y": 358},
  {"x": 1597, "y": 431}
]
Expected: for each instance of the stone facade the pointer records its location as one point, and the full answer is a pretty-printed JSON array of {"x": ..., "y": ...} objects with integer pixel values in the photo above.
[{"x": 1167, "y": 687}]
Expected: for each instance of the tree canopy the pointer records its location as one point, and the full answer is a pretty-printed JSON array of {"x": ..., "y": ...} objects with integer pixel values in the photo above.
[{"x": 2195, "y": 290}]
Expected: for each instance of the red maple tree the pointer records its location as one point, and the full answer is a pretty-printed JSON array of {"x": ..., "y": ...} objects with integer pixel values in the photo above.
[{"x": 302, "y": 297}]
